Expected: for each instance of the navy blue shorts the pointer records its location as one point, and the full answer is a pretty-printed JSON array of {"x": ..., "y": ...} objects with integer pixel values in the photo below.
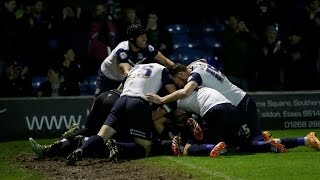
[
  {"x": 249, "y": 116},
  {"x": 100, "y": 110},
  {"x": 133, "y": 116},
  {"x": 104, "y": 84},
  {"x": 221, "y": 123}
]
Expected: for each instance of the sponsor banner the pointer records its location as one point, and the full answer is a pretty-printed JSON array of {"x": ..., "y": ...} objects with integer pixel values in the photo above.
[
  {"x": 41, "y": 117},
  {"x": 288, "y": 110},
  {"x": 50, "y": 117}
]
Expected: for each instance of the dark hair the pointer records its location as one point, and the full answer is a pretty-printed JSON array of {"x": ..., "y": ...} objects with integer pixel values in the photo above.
[
  {"x": 176, "y": 68},
  {"x": 134, "y": 31}
]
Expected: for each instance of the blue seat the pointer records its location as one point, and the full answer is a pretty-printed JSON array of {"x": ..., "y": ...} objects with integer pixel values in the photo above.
[
  {"x": 178, "y": 28},
  {"x": 84, "y": 87},
  {"x": 211, "y": 41},
  {"x": 92, "y": 81},
  {"x": 208, "y": 29},
  {"x": 187, "y": 55},
  {"x": 220, "y": 27}
]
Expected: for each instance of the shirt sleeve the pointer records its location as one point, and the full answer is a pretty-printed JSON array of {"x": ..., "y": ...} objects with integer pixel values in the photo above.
[
  {"x": 122, "y": 56},
  {"x": 196, "y": 78},
  {"x": 165, "y": 77},
  {"x": 151, "y": 51}
]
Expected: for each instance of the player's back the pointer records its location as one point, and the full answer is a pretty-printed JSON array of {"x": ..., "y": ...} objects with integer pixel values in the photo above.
[
  {"x": 143, "y": 79},
  {"x": 201, "y": 100},
  {"x": 213, "y": 78}
]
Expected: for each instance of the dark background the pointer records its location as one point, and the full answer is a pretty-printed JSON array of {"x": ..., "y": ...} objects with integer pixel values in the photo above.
[{"x": 187, "y": 11}]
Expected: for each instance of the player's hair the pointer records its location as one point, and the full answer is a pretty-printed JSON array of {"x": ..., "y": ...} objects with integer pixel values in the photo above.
[
  {"x": 175, "y": 69},
  {"x": 134, "y": 31}
]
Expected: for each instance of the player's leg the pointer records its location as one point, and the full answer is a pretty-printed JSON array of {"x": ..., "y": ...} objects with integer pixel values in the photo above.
[
  {"x": 311, "y": 140},
  {"x": 141, "y": 128},
  {"x": 96, "y": 142},
  {"x": 60, "y": 148},
  {"x": 249, "y": 116}
]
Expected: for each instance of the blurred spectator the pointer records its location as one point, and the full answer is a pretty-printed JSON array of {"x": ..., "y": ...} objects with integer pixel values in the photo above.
[
  {"x": 266, "y": 12},
  {"x": 270, "y": 61},
  {"x": 23, "y": 9},
  {"x": 71, "y": 29},
  {"x": 25, "y": 39},
  {"x": 108, "y": 30},
  {"x": 55, "y": 85},
  {"x": 8, "y": 33},
  {"x": 39, "y": 31},
  {"x": 238, "y": 51},
  {"x": 16, "y": 82},
  {"x": 304, "y": 42},
  {"x": 72, "y": 71},
  {"x": 98, "y": 50},
  {"x": 129, "y": 17},
  {"x": 300, "y": 70},
  {"x": 158, "y": 36},
  {"x": 114, "y": 8}
]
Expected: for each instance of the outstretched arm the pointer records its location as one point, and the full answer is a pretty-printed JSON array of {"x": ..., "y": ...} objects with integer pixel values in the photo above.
[
  {"x": 163, "y": 60},
  {"x": 179, "y": 94}
]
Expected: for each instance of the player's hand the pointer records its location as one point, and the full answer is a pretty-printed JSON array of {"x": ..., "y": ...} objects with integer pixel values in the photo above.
[{"x": 153, "y": 98}]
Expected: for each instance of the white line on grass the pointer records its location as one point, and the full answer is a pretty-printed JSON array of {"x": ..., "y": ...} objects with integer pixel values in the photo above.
[{"x": 198, "y": 168}]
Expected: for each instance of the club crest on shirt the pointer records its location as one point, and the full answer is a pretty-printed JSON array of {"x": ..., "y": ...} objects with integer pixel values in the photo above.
[
  {"x": 151, "y": 48},
  {"x": 140, "y": 56},
  {"x": 123, "y": 55}
]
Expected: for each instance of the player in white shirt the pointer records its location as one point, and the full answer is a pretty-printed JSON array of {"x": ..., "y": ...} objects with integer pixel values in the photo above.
[
  {"x": 126, "y": 55},
  {"x": 202, "y": 74},
  {"x": 142, "y": 79}
]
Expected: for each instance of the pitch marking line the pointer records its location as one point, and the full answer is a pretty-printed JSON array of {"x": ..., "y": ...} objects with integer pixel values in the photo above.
[{"x": 198, "y": 168}]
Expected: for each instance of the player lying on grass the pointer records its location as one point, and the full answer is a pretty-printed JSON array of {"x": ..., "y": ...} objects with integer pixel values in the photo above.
[
  {"x": 198, "y": 148},
  {"x": 222, "y": 126},
  {"x": 220, "y": 121}
]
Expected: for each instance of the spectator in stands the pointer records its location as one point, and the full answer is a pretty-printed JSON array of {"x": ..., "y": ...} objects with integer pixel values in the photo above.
[
  {"x": 16, "y": 82},
  {"x": 98, "y": 49},
  {"x": 55, "y": 85},
  {"x": 129, "y": 17},
  {"x": 108, "y": 30},
  {"x": 266, "y": 12},
  {"x": 72, "y": 71},
  {"x": 311, "y": 24},
  {"x": 157, "y": 35},
  {"x": 238, "y": 51},
  {"x": 8, "y": 33},
  {"x": 102, "y": 37},
  {"x": 40, "y": 26},
  {"x": 71, "y": 30},
  {"x": 270, "y": 61},
  {"x": 298, "y": 61}
]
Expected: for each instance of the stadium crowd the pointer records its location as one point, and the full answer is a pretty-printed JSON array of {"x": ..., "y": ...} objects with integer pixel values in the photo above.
[{"x": 270, "y": 46}]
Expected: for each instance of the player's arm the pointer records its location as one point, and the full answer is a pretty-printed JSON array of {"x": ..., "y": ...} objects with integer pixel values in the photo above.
[
  {"x": 125, "y": 68},
  {"x": 179, "y": 94},
  {"x": 163, "y": 60}
]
